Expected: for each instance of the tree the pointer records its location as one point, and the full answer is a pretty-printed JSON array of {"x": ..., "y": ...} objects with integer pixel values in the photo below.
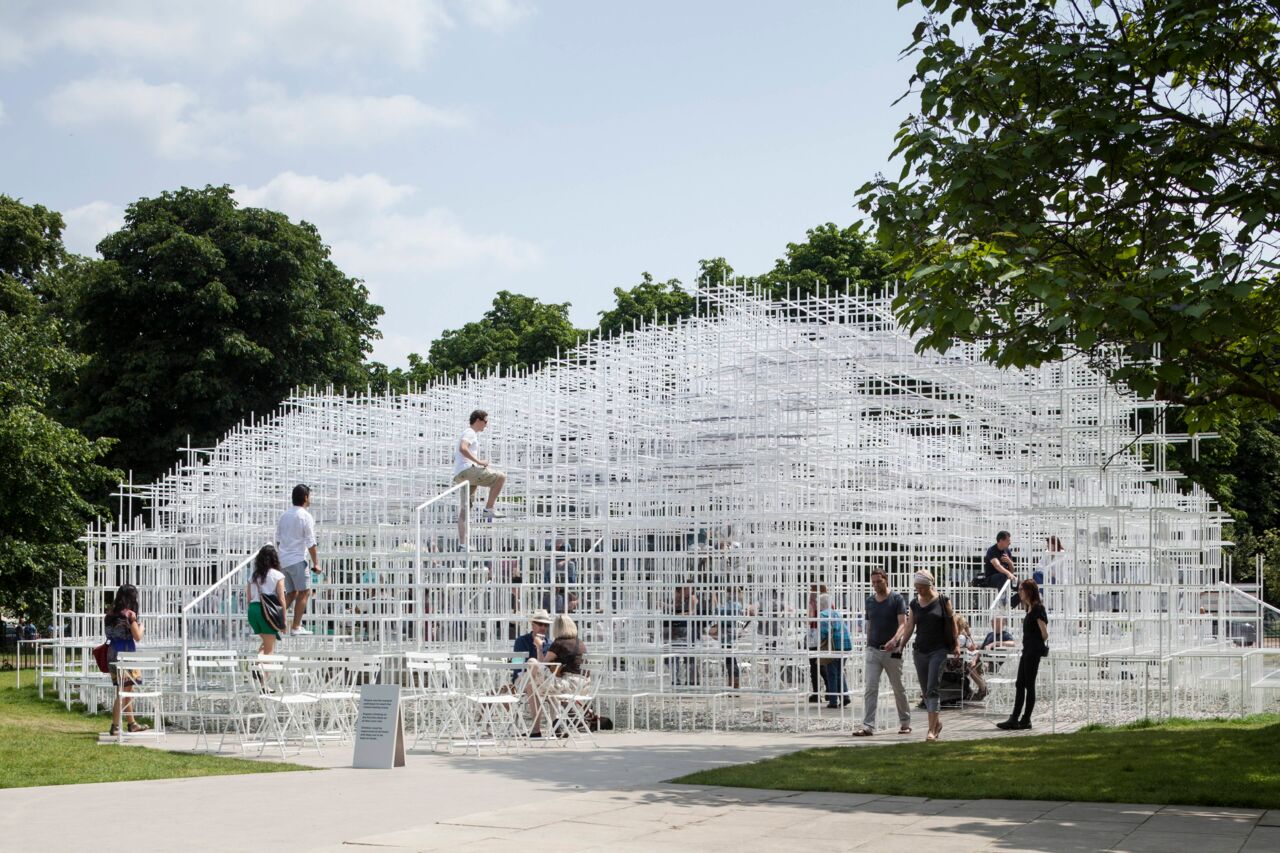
[
  {"x": 518, "y": 331},
  {"x": 201, "y": 312},
  {"x": 50, "y": 471},
  {"x": 649, "y": 301},
  {"x": 830, "y": 258},
  {"x": 1096, "y": 179}
]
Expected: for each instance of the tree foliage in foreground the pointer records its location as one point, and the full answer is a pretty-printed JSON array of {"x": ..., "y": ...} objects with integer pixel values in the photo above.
[
  {"x": 201, "y": 312},
  {"x": 50, "y": 473},
  {"x": 1101, "y": 179}
]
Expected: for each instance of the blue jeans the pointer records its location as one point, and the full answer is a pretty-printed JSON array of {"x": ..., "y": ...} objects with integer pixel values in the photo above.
[
  {"x": 833, "y": 675},
  {"x": 929, "y": 666}
]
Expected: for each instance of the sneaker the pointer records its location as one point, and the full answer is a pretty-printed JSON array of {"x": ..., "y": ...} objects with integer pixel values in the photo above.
[
  {"x": 300, "y": 631},
  {"x": 490, "y": 515}
]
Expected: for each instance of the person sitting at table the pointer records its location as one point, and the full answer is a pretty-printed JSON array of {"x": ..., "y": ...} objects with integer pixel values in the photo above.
[
  {"x": 964, "y": 642},
  {"x": 532, "y": 643},
  {"x": 998, "y": 637},
  {"x": 566, "y": 653}
]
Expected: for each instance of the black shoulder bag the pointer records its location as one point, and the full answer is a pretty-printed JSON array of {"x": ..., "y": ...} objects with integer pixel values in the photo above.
[{"x": 272, "y": 610}]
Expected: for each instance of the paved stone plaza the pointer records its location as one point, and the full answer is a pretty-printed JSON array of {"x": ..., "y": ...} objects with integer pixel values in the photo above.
[{"x": 614, "y": 798}]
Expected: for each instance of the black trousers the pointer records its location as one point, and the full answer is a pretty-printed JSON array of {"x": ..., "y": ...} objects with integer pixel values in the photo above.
[{"x": 1024, "y": 701}]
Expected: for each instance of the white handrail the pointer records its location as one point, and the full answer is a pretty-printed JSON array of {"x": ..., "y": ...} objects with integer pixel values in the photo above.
[
  {"x": 186, "y": 608},
  {"x": 1263, "y": 610},
  {"x": 1251, "y": 597},
  {"x": 1000, "y": 596},
  {"x": 419, "y": 604}
]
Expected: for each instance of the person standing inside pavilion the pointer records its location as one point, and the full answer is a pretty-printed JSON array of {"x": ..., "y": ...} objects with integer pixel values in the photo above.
[{"x": 296, "y": 543}]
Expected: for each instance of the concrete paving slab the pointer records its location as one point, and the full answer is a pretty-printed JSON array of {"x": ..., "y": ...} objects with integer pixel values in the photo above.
[
  {"x": 1113, "y": 812},
  {"x": 1200, "y": 824},
  {"x": 1146, "y": 841},
  {"x": 1270, "y": 818},
  {"x": 1263, "y": 839}
]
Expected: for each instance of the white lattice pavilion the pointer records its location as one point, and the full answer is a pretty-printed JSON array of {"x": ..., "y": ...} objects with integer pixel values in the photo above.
[{"x": 750, "y": 452}]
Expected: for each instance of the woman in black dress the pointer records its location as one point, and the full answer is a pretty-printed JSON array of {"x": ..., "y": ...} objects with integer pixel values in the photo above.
[{"x": 1035, "y": 645}]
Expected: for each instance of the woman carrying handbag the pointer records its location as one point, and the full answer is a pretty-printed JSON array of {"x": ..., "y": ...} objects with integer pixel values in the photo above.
[{"x": 265, "y": 594}]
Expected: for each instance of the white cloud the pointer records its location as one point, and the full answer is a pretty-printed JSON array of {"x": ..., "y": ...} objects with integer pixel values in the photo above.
[
  {"x": 89, "y": 223},
  {"x": 161, "y": 114},
  {"x": 172, "y": 120},
  {"x": 228, "y": 34},
  {"x": 363, "y": 220},
  {"x": 340, "y": 119},
  {"x": 431, "y": 241},
  {"x": 344, "y": 199}
]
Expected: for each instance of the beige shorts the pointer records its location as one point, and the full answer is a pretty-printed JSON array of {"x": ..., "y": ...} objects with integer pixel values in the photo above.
[{"x": 477, "y": 476}]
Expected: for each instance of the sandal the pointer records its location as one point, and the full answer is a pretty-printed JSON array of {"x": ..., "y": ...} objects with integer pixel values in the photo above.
[
  {"x": 863, "y": 733},
  {"x": 134, "y": 728},
  {"x": 905, "y": 730},
  {"x": 931, "y": 737},
  {"x": 114, "y": 732}
]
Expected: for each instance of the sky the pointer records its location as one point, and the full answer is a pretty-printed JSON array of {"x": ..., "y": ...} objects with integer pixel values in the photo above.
[{"x": 447, "y": 150}]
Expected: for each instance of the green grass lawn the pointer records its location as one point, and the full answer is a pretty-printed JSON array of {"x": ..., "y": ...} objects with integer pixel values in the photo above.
[
  {"x": 42, "y": 743},
  {"x": 1202, "y": 762}
]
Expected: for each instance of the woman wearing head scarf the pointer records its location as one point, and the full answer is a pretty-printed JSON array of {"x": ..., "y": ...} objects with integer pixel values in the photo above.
[{"x": 932, "y": 621}]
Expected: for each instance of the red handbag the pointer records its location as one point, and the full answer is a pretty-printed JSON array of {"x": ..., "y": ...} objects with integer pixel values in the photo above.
[{"x": 102, "y": 654}]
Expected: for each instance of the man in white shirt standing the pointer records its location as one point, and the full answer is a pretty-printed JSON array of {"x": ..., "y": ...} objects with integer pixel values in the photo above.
[
  {"x": 296, "y": 541},
  {"x": 469, "y": 466}
]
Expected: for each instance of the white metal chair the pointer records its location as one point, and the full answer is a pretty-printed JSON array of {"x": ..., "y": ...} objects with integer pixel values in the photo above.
[
  {"x": 222, "y": 701},
  {"x": 140, "y": 679},
  {"x": 433, "y": 698}
]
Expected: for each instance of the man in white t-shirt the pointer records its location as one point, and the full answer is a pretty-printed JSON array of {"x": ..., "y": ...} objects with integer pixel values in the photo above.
[
  {"x": 469, "y": 466},
  {"x": 296, "y": 541}
]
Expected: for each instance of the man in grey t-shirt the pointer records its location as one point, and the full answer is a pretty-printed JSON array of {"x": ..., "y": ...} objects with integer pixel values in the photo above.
[{"x": 886, "y": 611}]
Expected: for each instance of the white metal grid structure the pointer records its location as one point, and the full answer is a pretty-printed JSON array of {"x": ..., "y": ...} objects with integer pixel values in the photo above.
[{"x": 683, "y": 489}]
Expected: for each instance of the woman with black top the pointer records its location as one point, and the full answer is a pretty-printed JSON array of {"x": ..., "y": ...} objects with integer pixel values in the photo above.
[
  {"x": 1035, "y": 645},
  {"x": 931, "y": 619},
  {"x": 567, "y": 651}
]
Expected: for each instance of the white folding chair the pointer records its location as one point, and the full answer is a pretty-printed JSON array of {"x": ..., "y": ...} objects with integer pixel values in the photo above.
[
  {"x": 290, "y": 697},
  {"x": 223, "y": 703},
  {"x": 571, "y": 698},
  {"x": 433, "y": 698},
  {"x": 140, "y": 679}
]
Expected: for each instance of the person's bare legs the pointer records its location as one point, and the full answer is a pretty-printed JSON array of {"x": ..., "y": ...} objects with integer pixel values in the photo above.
[
  {"x": 299, "y": 601},
  {"x": 494, "y": 490},
  {"x": 462, "y": 522}
]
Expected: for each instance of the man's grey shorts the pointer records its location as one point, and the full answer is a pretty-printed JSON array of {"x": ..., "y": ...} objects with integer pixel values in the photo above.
[{"x": 297, "y": 577}]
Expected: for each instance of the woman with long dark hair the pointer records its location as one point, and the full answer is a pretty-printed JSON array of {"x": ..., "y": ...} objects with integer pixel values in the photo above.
[
  {"x": 1035, "y": 645},
  {"x": 267, "y": 580},
  {"x": 123, "y": 630}
]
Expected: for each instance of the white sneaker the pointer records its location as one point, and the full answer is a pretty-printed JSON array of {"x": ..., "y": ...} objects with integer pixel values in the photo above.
[
  {"x": 490, "y": 515},
  {"x": 300, "y": 632}
]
